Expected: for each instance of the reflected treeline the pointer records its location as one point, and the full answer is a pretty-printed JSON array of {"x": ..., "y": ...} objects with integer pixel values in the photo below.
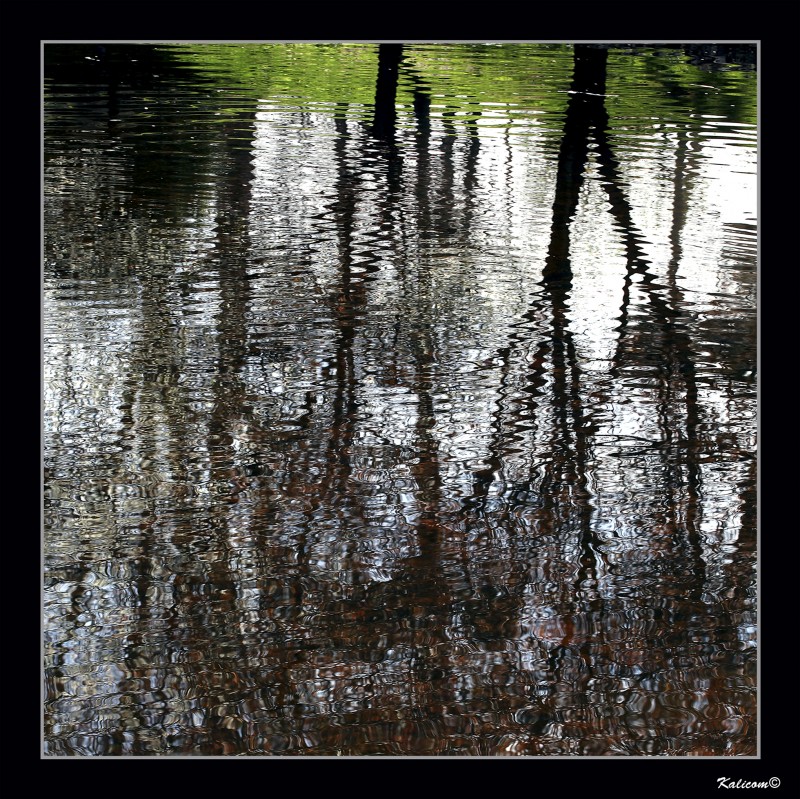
[
  {"x": 418, "y": 437},
  {"x": 720, "y": 55}
]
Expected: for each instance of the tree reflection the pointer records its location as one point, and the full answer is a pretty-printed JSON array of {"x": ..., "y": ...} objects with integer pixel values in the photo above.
[
  {"x": 365, "y": 490},
  {"x": 384, "y": 120}
]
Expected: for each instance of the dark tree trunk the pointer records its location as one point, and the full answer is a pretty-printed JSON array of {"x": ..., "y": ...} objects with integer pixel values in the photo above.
[
  {"x": 589, "y": 72},
  {"x": 389, "y": 56},
  {"x": 585, "y": 110}
]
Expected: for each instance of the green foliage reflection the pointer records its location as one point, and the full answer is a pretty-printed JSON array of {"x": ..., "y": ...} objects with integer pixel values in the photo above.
[{"x": 461, "y": 78}]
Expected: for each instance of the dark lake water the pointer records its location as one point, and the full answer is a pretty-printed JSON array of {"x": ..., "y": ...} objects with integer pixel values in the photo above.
[{"x": 399, "y": 407}]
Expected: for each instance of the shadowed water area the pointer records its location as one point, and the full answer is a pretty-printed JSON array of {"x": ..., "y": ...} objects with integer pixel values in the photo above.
[{"x": 399, "y": 400}]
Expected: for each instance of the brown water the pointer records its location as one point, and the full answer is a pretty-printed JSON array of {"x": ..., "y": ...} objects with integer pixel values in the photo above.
[{"x": 330, "y": 469}]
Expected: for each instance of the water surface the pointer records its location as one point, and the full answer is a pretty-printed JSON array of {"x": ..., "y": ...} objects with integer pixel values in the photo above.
[{"x": 428, "y": 431}]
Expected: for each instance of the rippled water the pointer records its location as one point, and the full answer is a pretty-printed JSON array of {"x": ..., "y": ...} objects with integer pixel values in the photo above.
[{"x": 427, "y": 436}]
